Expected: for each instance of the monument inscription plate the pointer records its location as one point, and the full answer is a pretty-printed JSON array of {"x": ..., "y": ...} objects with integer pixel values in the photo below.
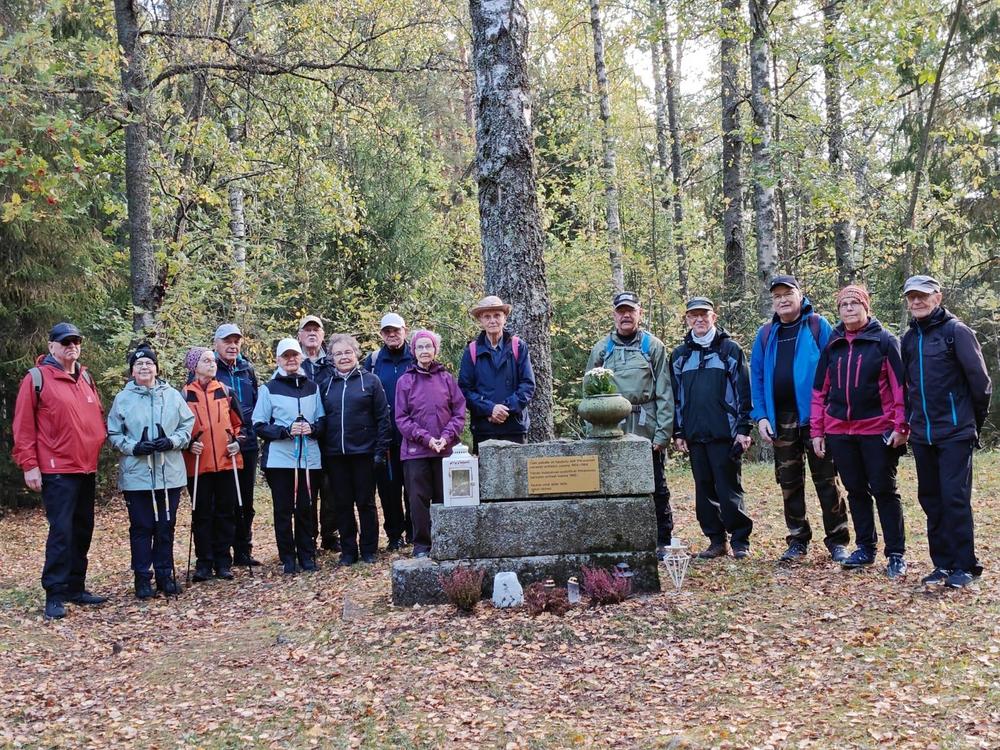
[{"x": 561, "y": 475}]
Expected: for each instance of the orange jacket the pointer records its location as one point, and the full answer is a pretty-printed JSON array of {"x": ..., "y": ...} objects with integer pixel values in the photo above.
[{"x": 217, "y": 417}]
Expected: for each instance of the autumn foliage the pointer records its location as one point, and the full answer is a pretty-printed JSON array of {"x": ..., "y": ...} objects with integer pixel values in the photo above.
[{"x": 540, "y": 598}]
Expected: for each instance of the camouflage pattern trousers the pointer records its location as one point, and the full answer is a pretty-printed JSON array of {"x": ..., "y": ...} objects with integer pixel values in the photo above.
[{"x": 791, "y": 448}]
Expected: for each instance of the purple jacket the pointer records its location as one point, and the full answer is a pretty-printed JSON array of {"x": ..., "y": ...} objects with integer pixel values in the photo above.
[{"x": 429, "y": 404}]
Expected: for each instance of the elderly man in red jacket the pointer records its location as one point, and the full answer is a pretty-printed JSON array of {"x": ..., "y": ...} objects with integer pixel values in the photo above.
[{"x": 58, "y": 433}]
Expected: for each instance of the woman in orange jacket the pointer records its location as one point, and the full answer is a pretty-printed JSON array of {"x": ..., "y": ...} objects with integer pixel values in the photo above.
[{"x": 214, "y": 447}]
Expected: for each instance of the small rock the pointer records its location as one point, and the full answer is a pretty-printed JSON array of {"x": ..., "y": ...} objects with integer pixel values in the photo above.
[
  {"x": 352, "y": 610},
  {"x": 507, "y": 591}
]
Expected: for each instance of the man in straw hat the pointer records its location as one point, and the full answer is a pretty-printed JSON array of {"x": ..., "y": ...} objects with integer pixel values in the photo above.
[{"x": 496, "y": 377}]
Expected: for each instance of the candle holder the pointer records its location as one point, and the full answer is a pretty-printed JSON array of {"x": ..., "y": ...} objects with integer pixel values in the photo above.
[{"x": 676, "y": 561}]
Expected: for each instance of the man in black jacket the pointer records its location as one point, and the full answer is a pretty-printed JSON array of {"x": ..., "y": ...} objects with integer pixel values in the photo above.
[
  {"x": 712, "y": 424},
  {"x": 947, "y": 399}
]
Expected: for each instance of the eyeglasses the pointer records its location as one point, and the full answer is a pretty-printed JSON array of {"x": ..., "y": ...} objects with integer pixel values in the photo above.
[
  {"x": 695, "y": 315},
  {"x": 143, "y": 363},
  {"x": 850, "y": 303},
  {"x": 345, "y": 353},
  {"x": 428, "y": 347},
  {"x": 786, "y": 295}
]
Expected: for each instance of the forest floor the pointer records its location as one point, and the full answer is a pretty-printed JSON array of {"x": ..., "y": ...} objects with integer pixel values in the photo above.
[{"x": 748, "y": 655}]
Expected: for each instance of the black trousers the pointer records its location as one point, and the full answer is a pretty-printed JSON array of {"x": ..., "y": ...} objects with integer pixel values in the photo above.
[
  {"x": 718, "y": 493},
  {"x": 352, "y": 479},
  {"x": 514, "y": 437},
  {"x": 243, "y": 537},
  {"x": 325, "y": 513},
  {"x": 151, "y": 536},
  {"x": 293, "y": 515},
  {"x": 395, "y": 514},
  {"x": 69, "y": 509},
  {"x": 867, "y": 468},
  {"x": 944, "y": 488},
  {"x": 424, "y": 485},
  {"x": 661, "y": 499},
  {"x": 213, "y": 521}
]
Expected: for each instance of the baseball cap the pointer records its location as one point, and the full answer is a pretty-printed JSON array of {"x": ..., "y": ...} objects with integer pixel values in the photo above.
[
  {"x": 784, "y": 280},
  {"x": 630, "y": 299},
  {"x": 392, "y": 320},
  {"x": 286, "y": 345},
  {"x": 310, "y": 319},
  {"x": 700, "y": 303},
  {"x": 64, "y": 330},
  {"x": 921, "y": 283},
  {"x": 227, "y": 329}
]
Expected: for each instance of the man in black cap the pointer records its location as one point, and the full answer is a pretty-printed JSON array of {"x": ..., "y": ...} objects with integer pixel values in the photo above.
[
  {"x": 782, "y": 368},
  {"x": 712, "y": 425},
  {"x": 58, "y": 433},
  {"x": 642, "y": 374},
  {"x": 948, "y": 393}
]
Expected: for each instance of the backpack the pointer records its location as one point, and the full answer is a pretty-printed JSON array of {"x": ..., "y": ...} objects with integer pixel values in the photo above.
[
  {"x": 38, "y": 381},
  {"x": 813, "y": 326},
  {"x": 515, "y": 345},
  {"x": 645, "y": 342}
]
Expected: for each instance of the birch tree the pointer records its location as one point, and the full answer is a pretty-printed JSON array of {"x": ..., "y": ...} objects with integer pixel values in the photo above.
[
  {"x": 763, "y": 183},
  {"x": 732, "y": 152},
  {"x": 835, "y": 139}
]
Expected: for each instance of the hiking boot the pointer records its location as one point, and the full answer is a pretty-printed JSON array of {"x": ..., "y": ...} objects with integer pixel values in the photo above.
[
  {"x": 309, "y": 565},
  {"x": 838, "y": 553},
  {"x": 226, "y": 574},
  {"x": 201, "y": 573},
  {"x": 368, "y": 557},
  {"x": 54, "y": 609},
  {"x": 795, "y": 553},
  {"x": 168, "y": 586},
  {"x": 85, "y": 597},
  {"x": 289, "y": 568},
  {"x": 716, "y": 549},
  {"x": 896, "y": 567},
  {"x": 143, "y": 587},
  {"x": 244, "y": 560},
  {"x": 331, "y": 545},
  {"x": 860, "y": 558},
  {"x": 394, "y": 545},
  {"x": 347, "y": 559},
  {"x": 741, "y": 553},
  {"x": 938, "y": 575},
  {"x": 959, "y": 579},
  {"x": 661, "y": 551}
]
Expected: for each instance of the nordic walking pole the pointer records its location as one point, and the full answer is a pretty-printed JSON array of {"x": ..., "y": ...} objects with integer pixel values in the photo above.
[
  {"x": 166, "y": 507},
  {"x": 194, "y": 504},
  {"x": 239, "y": 493}
]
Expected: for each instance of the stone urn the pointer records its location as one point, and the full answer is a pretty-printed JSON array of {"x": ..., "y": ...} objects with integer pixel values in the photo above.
[{"x": 605, "y": 412}]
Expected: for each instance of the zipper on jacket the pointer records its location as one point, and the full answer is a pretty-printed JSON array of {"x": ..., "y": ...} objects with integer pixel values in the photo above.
[
  {"x": 211, "y": 430},
  {"x": 343, "y": 397},
  {"x": 847, "y": 383},
  {"x": 954, "y": 413},
  {"x": 857, "y": 371},
  {"x": 840, "y": 361},
  {"x": 923, "y": 394}
]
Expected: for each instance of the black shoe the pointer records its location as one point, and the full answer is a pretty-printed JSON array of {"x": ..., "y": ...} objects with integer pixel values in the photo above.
[
  {"x": 421, "y": 554},
  {"x": 85, "y": 597},
  {"x": 838, "y": 553},
  {"x": 795, "y": 553},
  {"x": 143, "y": 588},
  {"x": 331, "y": 545},
  {"x": 716, "y": 549},
  {"x": 168, "y": 586},
  {"x": 368, "y": 557},
  {"x": 896, "y": 567},
  {"x": 226, "y": 574},
  {"x": 741, "y": 553},
  {"x": 959, "y": 579},
  {"x": 938, "y": 575},
  {"x": 860, "y": 558},
  {"x": 394, "y": 545},
  {"x": 244, "y": 560},
  {"x": 54, "y": 609},
  {"x": 201, "y": 573},
  {"x": 289, "y": 568},
  {"x": 309, "y": 565},
  {"x": 347, "y": 559}
]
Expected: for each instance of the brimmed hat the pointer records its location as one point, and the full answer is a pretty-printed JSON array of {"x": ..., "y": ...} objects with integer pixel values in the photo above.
[
  {"x": 287, "y": 345},
  {"x": 629, "y": 299},
  {"x": 64, "y": 330},
  {"x": 492, "y": 302},
  {"x": 227, "y": 329},
  {"x": 921, "y": 283},
  {"x": 392, "y": 320},
  {"x": 310, "y": 319},
  {"x": 699, "y": 303},
  {"x": 144, "y": 351},
  {"x": 784, "y": 280}
]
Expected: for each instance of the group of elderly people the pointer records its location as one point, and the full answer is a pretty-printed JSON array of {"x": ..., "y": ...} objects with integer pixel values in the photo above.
[{"x": 333, "y": 428}]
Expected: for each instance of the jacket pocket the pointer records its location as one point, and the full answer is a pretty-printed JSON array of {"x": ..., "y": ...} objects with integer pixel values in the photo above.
[{"x": 954, "y": 411}]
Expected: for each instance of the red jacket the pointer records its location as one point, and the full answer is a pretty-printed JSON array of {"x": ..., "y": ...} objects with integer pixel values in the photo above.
[
  {"x": 60, "y": 430},
  {"x": 217, "y": 416}
]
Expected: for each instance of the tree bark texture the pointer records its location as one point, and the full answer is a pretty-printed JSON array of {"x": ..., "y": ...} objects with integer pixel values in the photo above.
[
  {"x": 609, "y": 170},
  {"x": 671, "y": 74},
  {"x": 510, "y": 223},
  {"x": 732, "y": 153},
  {"x": 846, "y": 269},
  {"x": 143, "y": 279},
  {"x": 763, "y": 168}
]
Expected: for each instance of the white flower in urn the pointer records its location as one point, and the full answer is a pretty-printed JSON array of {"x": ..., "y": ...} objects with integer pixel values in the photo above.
[{"x": 599, "y": 382}]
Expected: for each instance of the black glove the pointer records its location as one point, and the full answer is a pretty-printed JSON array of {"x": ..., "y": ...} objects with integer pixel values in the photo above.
[
  {"x": 380, "y": 460},
  {"x": 162, "y": 444},
  {"x": 144, "y": 448}
]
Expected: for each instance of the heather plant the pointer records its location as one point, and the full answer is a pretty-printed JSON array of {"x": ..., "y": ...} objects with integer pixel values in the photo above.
[
  {"x": 463, "y": 587},
  {"x": 602, "y": 587},
  {"x": 540, "y": 598}
]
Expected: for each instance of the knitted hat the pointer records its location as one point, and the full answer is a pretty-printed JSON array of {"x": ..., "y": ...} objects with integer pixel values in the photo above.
[
  {"x": 859, "y": 293},
  {"x": 425, "y": 334},
  {"x": 145, "y": 351},
  {"x": 192, "y": 357}
]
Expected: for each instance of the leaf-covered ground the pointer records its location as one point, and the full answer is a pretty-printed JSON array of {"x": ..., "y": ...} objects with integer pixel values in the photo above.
[{"x": 747, "y": 655}]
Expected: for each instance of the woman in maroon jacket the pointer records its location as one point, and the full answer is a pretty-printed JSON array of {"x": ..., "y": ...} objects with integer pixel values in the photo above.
[
  {"x": 858, "y": 416},
  {"x": 430, "y": 414}
]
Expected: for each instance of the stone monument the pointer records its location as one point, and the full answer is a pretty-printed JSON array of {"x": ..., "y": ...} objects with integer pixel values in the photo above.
[{"x": 547, "y": 510}]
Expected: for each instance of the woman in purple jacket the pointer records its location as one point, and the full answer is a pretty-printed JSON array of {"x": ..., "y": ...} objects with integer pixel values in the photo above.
[{"x": 430, "y": 414}]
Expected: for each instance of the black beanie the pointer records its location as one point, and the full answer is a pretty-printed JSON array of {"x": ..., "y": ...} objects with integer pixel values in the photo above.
[{"x": 144, "y": 350}]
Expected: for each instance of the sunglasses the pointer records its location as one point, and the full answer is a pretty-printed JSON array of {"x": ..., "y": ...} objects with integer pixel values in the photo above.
[{"x": 71, "y": 340}]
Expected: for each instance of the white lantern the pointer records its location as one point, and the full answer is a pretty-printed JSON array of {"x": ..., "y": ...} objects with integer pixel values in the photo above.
[
  {"x": 676, "y": 560},
  {"x": 461, "y": 477}
]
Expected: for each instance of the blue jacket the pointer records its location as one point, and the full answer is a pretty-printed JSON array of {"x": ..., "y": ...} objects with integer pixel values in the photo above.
[
  {"x": 807, "y": 352},
  {"x": 497, "y": 378},
  {"x": 242, "y": 381},
  {"x": 389, "y": 366},
  {"x": 280, "y": 401}
]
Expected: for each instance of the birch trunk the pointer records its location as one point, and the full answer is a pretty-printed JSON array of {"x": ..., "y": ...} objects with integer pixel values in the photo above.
[
  {"x": 732, "y": 153},
  {"x": 510, "y": 223},
  {"x": 763, "y": 185},
  {"x": 610, "y": 162},
  {"x": 835, "y": 140},
  {"x": 671, "y": 79}
]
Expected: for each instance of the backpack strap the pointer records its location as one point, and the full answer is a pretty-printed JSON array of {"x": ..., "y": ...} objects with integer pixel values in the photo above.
[
  {"x": 515, "y": 344},
  {"x": 36, "y": 380},
  {"x": 472, "y": 350},
  {"x": 645, "y": 344},
  {"x": 374, "y": 359},
  {"x": 813, "y": 322},
  {"x": 608, "y": 348}
]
